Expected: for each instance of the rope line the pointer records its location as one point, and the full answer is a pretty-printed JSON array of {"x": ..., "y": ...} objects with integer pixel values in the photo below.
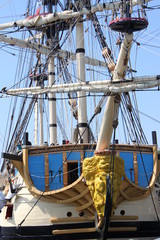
[{"x": 53, "y": 177}]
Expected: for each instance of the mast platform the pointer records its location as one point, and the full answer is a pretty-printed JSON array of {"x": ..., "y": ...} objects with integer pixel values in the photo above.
[{"x": 128, "y": 25}]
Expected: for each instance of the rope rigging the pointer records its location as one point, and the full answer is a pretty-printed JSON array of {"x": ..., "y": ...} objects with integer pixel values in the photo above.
[
  {"x": 21, "y": 124},
  {"x": 131, "y": 120},
  {"x": 67, "y": 79},
  {"x": 106, "y": 52},
  {"x": 55, "y": 175},
  {"x": 144, "y": 167},
  {"x": 62, "y": 129}
]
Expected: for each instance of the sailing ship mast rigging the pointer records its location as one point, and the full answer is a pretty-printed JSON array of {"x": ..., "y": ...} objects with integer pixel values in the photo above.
[
  {"x": 84, "y": 174},
  {"x": 106, "y": 87},
  {"x": 117, "y": 84}
]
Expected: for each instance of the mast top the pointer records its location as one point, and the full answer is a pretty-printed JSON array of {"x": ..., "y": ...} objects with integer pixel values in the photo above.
[{"x": 127, "y": 23}]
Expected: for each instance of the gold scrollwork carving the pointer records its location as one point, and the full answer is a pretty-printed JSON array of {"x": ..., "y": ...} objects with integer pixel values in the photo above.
[{"x": 95, "y": 170}]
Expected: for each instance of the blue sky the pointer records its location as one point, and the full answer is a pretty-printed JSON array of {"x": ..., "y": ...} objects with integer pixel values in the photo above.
[{"x": 148, "y": 63}]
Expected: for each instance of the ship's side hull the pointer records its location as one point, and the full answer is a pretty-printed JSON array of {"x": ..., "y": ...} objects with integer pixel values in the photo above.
[
  {"x": 69, "y": 212},
  {"x": 49, "y": 221},
  {"x": 150, "y": 230},
  {"x": 48, "y": 171}
]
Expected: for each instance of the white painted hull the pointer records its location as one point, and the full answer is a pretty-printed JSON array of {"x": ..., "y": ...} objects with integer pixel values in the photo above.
[
  {"x": 41, "y": 214},
  {"x": 44, "y": 211},
  {"x": 144, "y": 208}
]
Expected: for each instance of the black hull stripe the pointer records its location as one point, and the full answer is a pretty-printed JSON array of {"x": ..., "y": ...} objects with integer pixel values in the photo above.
[{"x": 144, "y": 229}]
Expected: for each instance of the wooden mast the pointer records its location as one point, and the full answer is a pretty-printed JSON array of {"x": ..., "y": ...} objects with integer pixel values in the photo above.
[
  {"x": 51, "y": 80},
  {"x": 82, "y": 106},
  {"x": 36, "y": 122},
  {"x": 41, "y": 115}
]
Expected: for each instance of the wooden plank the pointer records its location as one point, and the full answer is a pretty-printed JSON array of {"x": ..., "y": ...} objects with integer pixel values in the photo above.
[
  {"x": 82, "y": 158},
  {"x": 135, "y": 164},
  {"x": 122, "y": 229},
  {"x": 77, "y": 197},
  {"x": 132, "y": 192},
  {"x": 46, "y": 171},
  {"x": 65, "y": 170},
  {"x": 72, "y": 219},
  {"x": 120, "y": 199},
  {"x": 13, "y": 157},
  {"x": 88, "y": 204},
  {"x": 91, "y": 209},
  {"x": 80, "y": 187},
  {"x": 124, "y": 185},
  {"x": 77, "y": 230},
  {"x": 71, "y": 194},
  {"x": 88, "y": 230},
  {"x": 60, "y": 195},
  {"x": 121, "y": 218}
]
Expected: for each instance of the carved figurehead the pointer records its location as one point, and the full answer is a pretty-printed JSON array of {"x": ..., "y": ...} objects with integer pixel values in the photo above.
[{"x": 96, "y": 170}]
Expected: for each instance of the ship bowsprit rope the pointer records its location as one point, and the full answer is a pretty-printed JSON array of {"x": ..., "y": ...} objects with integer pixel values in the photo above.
[{"x": 108, "y": 208}]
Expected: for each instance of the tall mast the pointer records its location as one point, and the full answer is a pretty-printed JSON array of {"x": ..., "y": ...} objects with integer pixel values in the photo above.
[
  {"x": 82, "y": 108},
  {"x": 41, "y": 114},
  {"x": 38, "y": 109},
  {"x": 52, "y": 103},
  {"x": 41, "y": 120},
  {"x": 51, "y": 80},
  {"x": 35, "y": 113},
  {"x": 36, "y": 122}
]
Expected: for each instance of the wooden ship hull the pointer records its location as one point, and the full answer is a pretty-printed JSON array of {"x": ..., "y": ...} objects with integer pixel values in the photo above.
[
  {"x": 81, "y": 190},
  {"x": 70, "y": 192},
  {"x": 133, "y": 187}
]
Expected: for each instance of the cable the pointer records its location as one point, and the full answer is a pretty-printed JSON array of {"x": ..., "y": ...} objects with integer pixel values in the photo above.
[
  {"x": 137, "y": 140},
  {"x": 19, "y": 225},
  {"x": 109, "y": 185},
  {"x": 53, "y": 177}
]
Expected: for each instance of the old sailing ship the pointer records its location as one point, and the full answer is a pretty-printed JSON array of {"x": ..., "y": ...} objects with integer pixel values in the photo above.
[{"x": 81, "y": 183}]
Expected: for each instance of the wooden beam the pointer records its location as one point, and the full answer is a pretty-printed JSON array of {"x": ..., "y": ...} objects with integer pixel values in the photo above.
[
  {"x": 13, "y": 157},
  {"x": 46, "y": 172},
  {"x": 77, "y": 197},
  {"x": 65, "y": 170},
  {"x": 135, "y": 164},
  {"x": 72, "y": 219},
  {"x": 121, "y": 218},
  {"x": 122, "y": 229},
  {"x": 88, "y": 204},
  {"x": 88, "y": 230},
  {"x": 77, "y": 230}
]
